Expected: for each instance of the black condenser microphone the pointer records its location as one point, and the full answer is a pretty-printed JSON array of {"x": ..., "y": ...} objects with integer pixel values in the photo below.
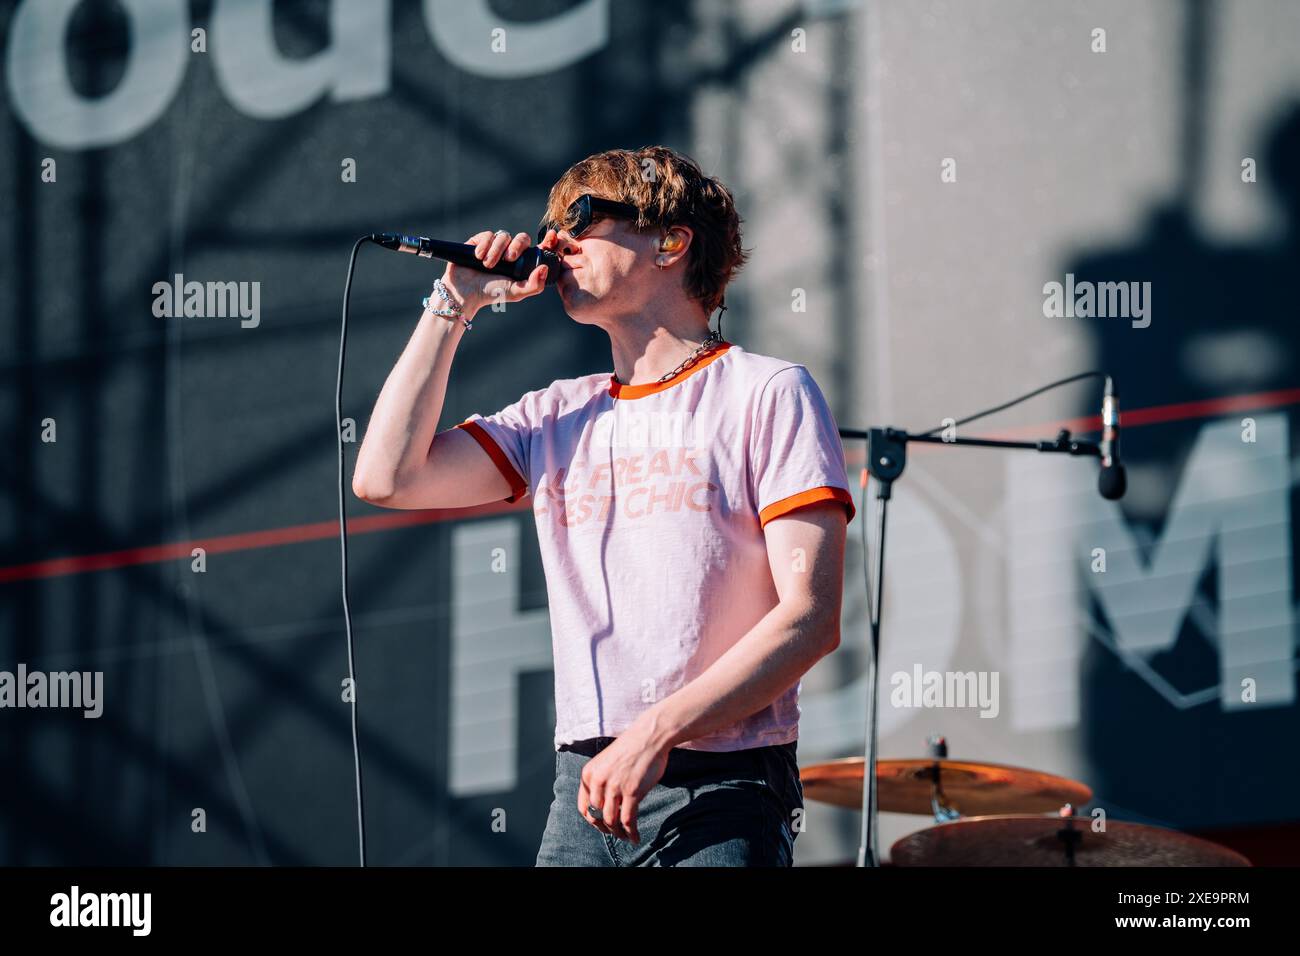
[
  {"x": 1111, "y": 480},
  {"x": 462, "y": 254}
]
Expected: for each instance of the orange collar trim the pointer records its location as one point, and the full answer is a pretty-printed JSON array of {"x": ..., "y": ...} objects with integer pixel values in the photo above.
[{"x": 620, "y": 391}]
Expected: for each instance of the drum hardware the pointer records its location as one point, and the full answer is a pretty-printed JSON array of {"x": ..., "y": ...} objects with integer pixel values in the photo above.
[
  {"x": 1059, "y": 839},
  {"x": 938, "y": 803},
  {"x": 943, "y": 788}
]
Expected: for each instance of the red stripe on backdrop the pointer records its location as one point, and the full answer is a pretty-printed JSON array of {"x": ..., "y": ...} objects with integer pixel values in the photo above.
[
  {"x": 1183, "y": 411},
  {"x": 244, "y": 541},
  {"x": 316, "y": 531}
]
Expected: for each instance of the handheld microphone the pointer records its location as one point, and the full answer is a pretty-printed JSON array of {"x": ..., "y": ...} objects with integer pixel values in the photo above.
[
  {"x": 462, "y": 254},
  {"x": 1111, "y": 480}
]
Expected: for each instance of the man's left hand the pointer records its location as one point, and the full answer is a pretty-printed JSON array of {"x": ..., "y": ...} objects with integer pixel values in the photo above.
[{"x": 617, "y": 778}]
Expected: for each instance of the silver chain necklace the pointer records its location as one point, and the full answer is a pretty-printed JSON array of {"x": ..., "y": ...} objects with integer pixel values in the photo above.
[{"x": 715, "y": 336}]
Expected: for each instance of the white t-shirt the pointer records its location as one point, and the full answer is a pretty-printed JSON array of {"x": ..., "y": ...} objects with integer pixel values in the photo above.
[{"x": 650, "y": 502}]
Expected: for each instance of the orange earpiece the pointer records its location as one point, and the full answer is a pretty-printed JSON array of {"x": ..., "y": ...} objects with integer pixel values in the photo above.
[{"x": 670, "y": 243}]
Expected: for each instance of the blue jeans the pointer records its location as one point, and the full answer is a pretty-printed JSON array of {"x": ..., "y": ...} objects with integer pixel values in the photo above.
[{"x": 735, "y": 808}]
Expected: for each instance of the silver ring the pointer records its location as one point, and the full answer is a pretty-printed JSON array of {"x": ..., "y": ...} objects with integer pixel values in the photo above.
[
  {"x": 594, "y": 811},
  {"x": 501, "y": 232}
]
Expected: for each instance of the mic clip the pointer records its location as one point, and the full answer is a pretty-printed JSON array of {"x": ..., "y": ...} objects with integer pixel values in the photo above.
[{"x": 1070, "y": 446}]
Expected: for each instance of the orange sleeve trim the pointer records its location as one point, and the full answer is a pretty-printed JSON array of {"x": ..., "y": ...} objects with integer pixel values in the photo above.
[
  {"x": 804, "y": 498},
  {"x": 518, "y": 487}
]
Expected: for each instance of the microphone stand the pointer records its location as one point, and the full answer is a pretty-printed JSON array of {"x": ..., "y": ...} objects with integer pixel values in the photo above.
[{"x": 886, "y": 458}]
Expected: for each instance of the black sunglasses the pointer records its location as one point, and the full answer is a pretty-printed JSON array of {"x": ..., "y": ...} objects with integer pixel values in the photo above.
[{"x": 585, "y": 211}]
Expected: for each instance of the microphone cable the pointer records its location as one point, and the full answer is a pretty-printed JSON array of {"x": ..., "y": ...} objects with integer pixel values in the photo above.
[
  {"x": 1017, "y": 401},
  {"x": 343, "y": 548},
  {"x": 343, "y": 537}
]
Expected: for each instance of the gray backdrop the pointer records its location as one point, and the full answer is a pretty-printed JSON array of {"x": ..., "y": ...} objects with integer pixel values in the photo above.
[{"x": 912, "y": 176}]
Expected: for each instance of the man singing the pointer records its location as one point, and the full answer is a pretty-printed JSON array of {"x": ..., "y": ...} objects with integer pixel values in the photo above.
[{"x": 691, "y": 507}]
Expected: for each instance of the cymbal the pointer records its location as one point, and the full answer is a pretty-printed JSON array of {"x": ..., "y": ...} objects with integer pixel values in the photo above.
[
  {"x": 970, "y": 788},
  {"x": 1034, "y": 840}
]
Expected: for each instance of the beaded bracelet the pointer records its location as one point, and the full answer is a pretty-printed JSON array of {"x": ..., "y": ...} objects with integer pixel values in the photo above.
[{"x": 453, "y": 311}]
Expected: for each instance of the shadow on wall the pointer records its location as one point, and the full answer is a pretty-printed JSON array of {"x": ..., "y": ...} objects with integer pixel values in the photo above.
[{"x": 1223, "y": 322}]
